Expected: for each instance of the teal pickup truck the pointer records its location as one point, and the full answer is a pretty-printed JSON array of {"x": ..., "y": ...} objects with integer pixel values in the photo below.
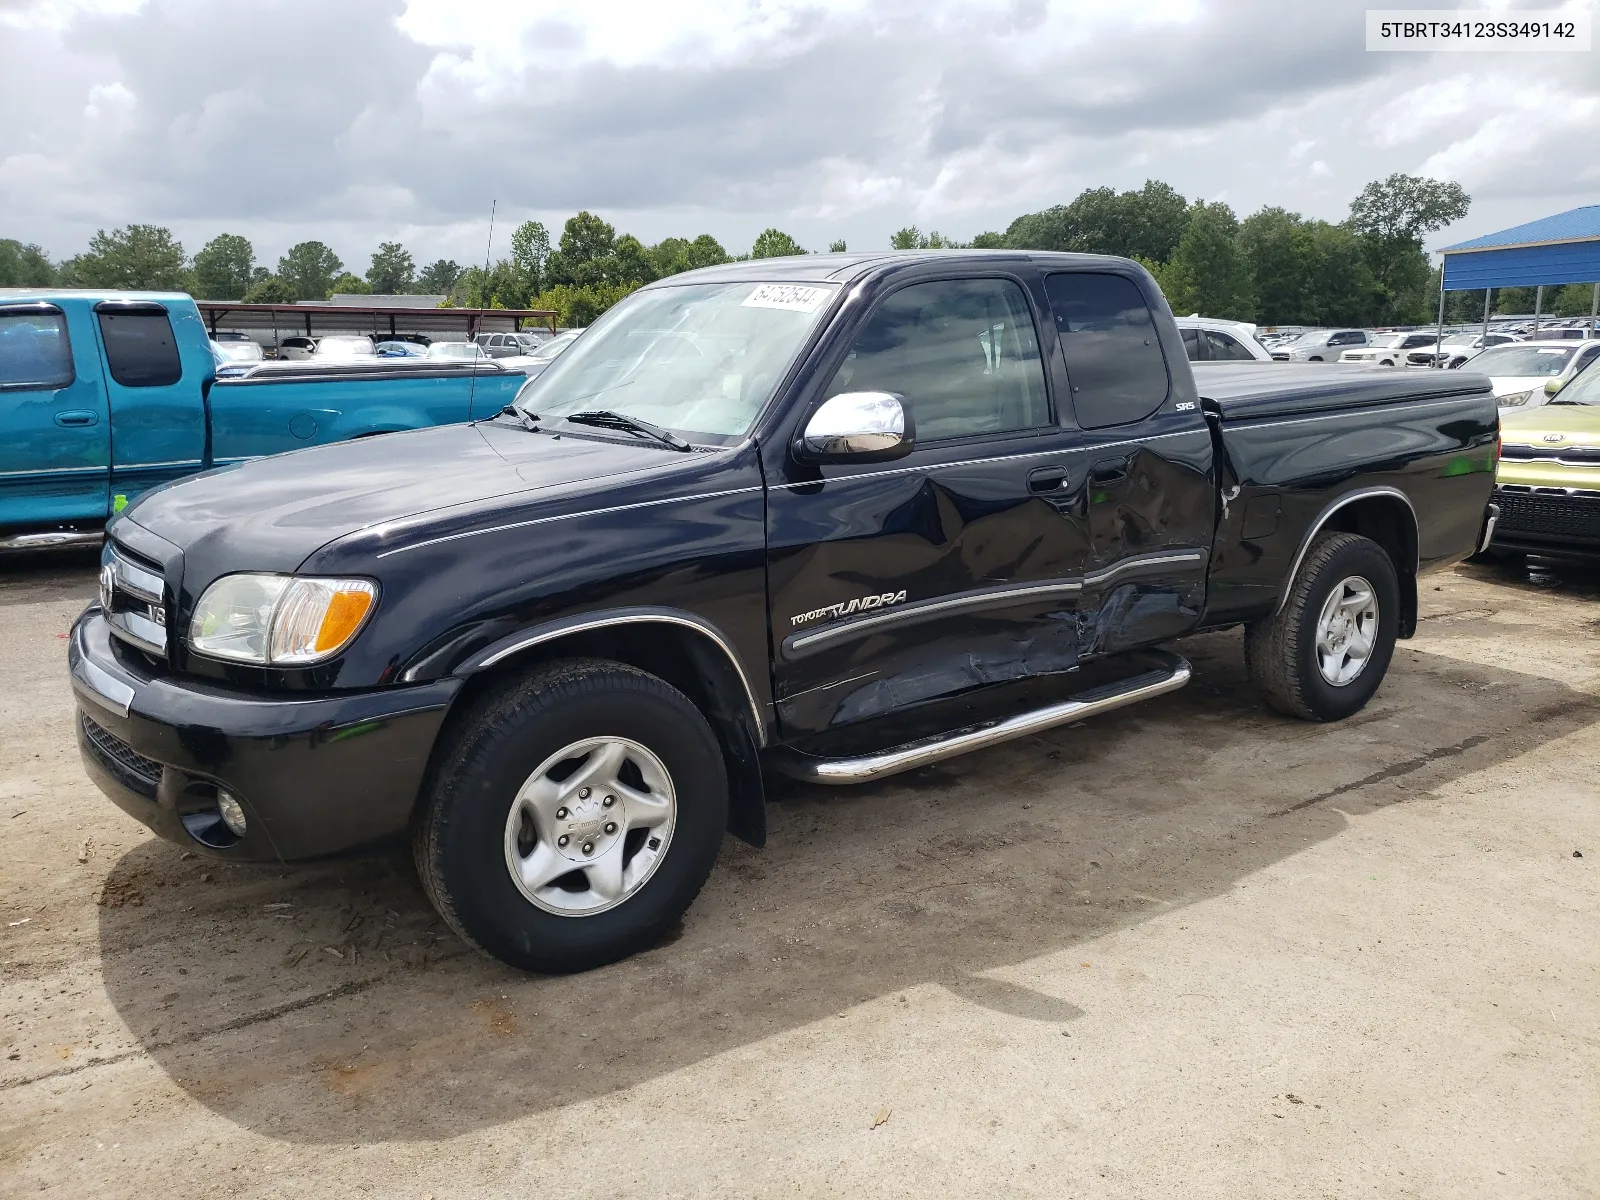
[{"x": 104, "y": 395}]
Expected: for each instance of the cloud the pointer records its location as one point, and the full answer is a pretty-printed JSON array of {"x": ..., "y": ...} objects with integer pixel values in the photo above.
[{"x": 372, "y": 119}]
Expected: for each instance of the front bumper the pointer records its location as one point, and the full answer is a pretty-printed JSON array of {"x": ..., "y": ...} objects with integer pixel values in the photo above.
[
  {"x": 1556, "y": 521},
  {"x": 314, "y": 775}
]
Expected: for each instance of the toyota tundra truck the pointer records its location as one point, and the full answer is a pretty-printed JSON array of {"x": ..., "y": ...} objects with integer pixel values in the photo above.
[{"x": 836, "y": 516}]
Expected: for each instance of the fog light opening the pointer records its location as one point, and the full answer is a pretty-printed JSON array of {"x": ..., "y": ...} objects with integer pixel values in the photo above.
[
  {"x": 232, "y": 812},
  {"x": 213, "y": 816}
]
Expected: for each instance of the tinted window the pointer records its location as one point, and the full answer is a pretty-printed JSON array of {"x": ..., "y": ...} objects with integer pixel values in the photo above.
[
  {"x": 963, "y": 353},
  {"x": 34, "y": 352},
  {"x": 1191, "y": 344},
  {"x": 140, "y": 349},
  {"x": 1223, "y": 346},
  {"x": 1109, "y": 341}
]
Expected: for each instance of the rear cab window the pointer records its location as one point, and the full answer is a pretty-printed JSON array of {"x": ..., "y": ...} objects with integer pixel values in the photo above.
[
  {"x": 35, "y": 354},
  {"x": 141, "y": 350},
  {"x": 1111, "y": 347}
]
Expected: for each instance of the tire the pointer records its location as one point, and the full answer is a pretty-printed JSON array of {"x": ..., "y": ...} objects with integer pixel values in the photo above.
[
  {"x": 495, "y": 762},
  {"x": 1282, "y": 651}
]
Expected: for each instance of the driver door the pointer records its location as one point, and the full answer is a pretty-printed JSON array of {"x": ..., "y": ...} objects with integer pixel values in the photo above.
[{"x": 893, "y": 584}]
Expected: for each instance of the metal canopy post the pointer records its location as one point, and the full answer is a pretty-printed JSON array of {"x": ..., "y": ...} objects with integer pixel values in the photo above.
[
  {"x": 1438, "y": 333},
  {"x": 1488, "y": 294},
  {"x": 1594, "y": 309},
  {"x": 1538, "y": 307}
]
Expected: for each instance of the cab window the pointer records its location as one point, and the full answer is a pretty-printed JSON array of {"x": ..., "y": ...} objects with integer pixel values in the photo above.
[
  {"x": 1109, "y": 341},
  {"x": 34, "y": 351},
  {"x": 140, "y": 348},
  {"x": 963, "y": 353},
  {"x": 1222, "y": 346}
]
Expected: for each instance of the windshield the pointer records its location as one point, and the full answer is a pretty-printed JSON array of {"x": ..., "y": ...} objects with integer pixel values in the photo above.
[
  {"x": 556, "y": 345},
  {"x": 1584, "y": 389},
  {"x": 698, "y": 359},
  {"x": 237, "y": 351},
  {"x": 1310, "y": 335},
  {"x": 455, "y": 350},
  {"x": 344, "y": 347},
  {"x": 1523, "y": 360}
]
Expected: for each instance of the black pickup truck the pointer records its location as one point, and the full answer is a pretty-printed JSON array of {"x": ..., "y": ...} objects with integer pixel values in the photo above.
[{"x": 838, "y": 516}]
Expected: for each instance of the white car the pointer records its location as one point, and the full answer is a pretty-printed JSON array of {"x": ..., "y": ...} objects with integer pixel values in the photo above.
[
  {"x": 1208, "y": 339},
  {"x": 1388, "y": 349},
  {"x": 1521, "y": 371},
  {"x": 344, "y": 348},
  {"x": 459, "y": 351},
  {"x": 1457, "y": 348},
  {"x": 296, "y": 348},
  {"x": 1321, "y": 345}
]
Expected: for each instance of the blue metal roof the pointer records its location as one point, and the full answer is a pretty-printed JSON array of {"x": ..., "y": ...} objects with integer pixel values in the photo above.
[
  {"x": 1574, "y": 225},
  {"x": 1564, "y": 248}
]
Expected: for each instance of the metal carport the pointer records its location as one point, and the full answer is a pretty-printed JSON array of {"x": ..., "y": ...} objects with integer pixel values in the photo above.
[{"x": 1564, "y": 248}]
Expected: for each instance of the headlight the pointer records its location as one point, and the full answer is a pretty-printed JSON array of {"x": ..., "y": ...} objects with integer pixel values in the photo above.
[
  {"x": 1517, "y": 399},
  {"x": 279, "y": 620}
]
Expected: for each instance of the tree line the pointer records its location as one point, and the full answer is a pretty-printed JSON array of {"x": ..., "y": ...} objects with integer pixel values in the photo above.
[{"x": 1274, "y": 267}]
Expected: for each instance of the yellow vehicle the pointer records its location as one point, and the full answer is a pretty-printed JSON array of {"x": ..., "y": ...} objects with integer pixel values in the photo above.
[{"x": 1547, "y": 488}]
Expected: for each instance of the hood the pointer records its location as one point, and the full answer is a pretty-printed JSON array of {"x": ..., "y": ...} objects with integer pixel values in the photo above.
[
  {"x": 271, "y": 514},
  {"x": 1555, "y": 445},
  {"x": 1553, "y": 425}
]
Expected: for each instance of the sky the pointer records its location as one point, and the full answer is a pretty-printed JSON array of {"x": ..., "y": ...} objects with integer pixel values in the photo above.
[{"x": 360, "y": 121}]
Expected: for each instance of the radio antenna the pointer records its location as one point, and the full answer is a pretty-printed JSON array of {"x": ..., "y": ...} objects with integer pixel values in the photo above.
[{"x": 472, "y": 388}]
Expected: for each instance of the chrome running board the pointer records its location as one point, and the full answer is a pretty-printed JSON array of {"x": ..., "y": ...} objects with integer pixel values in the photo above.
[
  {"x": 1168, "y": 673},
  {"x": 56, "y": 539}
]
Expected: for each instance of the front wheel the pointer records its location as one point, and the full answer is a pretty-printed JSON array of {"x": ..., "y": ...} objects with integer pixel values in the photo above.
[
  {"x": 574, "y": 815},
  {"x": 1322, "y": 656}
]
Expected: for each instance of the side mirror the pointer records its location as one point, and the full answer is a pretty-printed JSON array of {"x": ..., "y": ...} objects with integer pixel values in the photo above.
[
  {"x": 1552, "y": 386},
  {"x": 864, "y": 427}
]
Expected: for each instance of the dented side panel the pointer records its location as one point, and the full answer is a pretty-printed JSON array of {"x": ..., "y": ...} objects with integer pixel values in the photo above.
[{"x": 879, "y": 542}]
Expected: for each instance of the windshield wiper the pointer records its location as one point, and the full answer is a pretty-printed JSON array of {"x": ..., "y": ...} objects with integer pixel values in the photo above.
[
  {"x": 606, "y": 419},
  {"x": 528, "y": 420}
]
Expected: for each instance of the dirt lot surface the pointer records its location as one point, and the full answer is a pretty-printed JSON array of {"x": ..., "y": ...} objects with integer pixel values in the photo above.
[{"x": 1188, "y": 949}]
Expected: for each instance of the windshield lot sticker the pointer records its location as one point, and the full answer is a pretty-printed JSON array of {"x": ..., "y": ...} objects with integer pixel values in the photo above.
[
  {"x": 845, "y": 608},
  {"x": 789, "y": 296}
]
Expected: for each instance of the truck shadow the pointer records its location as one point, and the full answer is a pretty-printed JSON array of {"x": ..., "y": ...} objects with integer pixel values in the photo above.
[{"x": 327, "y": 1004}]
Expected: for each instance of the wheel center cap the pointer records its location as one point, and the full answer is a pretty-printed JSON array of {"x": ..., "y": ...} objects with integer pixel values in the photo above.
[{"x": 588, "y": 829}]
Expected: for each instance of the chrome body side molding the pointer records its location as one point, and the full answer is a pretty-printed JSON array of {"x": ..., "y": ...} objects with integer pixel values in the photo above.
[
  {"x": 1167, "y": 673},
  {"x": 800, "y": 644},
  {"x": 55, "y": 539}
]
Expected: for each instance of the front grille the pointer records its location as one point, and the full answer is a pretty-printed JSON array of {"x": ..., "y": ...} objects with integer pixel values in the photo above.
[
  {"x": 1567, "y": 456},
  {"x": 1549, "y": 512},
  {"x": 132, "y": 591},
  {"x": 137, "y": 773}
]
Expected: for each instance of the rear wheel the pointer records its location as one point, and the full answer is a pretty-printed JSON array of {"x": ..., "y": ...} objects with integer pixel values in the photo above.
[
  {"x": 575, "y": 814},
  {"x": 1322, "y": 656}
]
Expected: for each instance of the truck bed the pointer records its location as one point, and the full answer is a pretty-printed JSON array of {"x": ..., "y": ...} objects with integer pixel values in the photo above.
[{"x": 1250, "y": 391}]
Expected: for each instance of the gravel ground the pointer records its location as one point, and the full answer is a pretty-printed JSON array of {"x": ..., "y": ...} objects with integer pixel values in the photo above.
[{"x": 1187, "y": 949}]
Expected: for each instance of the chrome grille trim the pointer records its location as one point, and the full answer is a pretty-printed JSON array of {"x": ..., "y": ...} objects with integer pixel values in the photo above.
[{"x": 133, "y": 597}]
